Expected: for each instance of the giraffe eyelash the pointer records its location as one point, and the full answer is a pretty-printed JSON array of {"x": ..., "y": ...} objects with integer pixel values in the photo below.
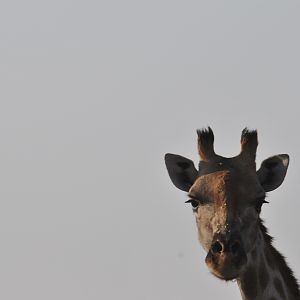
[
  {"x": 195, "y": 203},
  {"x": 259, "y": 201}
]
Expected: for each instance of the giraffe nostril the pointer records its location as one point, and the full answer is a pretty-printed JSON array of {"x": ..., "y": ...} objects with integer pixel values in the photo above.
[
  {"x": 235, "y": 246},
  {"x": 217, "y": 247}
]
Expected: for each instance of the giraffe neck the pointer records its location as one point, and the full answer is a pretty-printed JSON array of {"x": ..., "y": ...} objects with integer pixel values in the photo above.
[{"x": 267, "y": 275}]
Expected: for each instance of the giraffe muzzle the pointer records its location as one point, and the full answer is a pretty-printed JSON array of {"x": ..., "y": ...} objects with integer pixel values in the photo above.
[
  {"x": 219, "y": 247},
  {"x": 226, "y": 257}
]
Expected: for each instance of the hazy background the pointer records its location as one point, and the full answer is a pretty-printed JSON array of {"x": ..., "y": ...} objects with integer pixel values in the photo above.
[{"x": 93, "y": 94}]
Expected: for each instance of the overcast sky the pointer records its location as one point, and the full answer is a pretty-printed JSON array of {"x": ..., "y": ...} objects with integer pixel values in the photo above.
[{"x": 93, "y": 94}]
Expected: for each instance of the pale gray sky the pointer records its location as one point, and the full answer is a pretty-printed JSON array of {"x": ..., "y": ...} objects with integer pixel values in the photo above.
[{"x": 93, "y": 93}]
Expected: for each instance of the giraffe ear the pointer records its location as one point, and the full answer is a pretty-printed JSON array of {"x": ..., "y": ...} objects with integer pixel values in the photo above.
[
  {"x": 181, "y": 171},
  {"x": 272, "y": 171}
]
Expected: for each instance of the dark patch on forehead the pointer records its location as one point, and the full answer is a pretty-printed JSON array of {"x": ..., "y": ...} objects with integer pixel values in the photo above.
[
  {"x": 220, "y": 163},
  {"x": 279, "y": 287},
  {"x": 263, "y": 275},
  {"x": 249, "y": 283}
]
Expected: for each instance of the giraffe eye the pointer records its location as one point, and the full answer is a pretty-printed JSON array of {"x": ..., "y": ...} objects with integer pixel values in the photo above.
[{"x": 194, "y": 202}]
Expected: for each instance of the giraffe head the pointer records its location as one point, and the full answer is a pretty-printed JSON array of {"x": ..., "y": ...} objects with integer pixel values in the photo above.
[{"x": 226, "y": 195}]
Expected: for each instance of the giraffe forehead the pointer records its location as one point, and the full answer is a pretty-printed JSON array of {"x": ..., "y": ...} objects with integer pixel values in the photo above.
[
  {"x": 232, "y": 186},
  {"x": 211, "y": 185}
]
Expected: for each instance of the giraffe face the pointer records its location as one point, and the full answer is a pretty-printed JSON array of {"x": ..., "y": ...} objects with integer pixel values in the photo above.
[
  {"x": 226, "y": 205},
  {"x": 226, "y": 195}
]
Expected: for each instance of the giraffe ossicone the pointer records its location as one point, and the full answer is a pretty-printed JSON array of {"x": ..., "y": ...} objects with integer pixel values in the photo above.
[{"x": 227, "y": 195}]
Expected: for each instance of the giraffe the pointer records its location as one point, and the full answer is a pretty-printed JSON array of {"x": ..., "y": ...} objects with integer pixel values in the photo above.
[{"x": 227, "y": 195}]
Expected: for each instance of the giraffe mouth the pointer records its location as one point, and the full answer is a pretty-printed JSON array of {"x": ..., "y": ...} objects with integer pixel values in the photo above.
[{"x": 226, "y": 266}]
